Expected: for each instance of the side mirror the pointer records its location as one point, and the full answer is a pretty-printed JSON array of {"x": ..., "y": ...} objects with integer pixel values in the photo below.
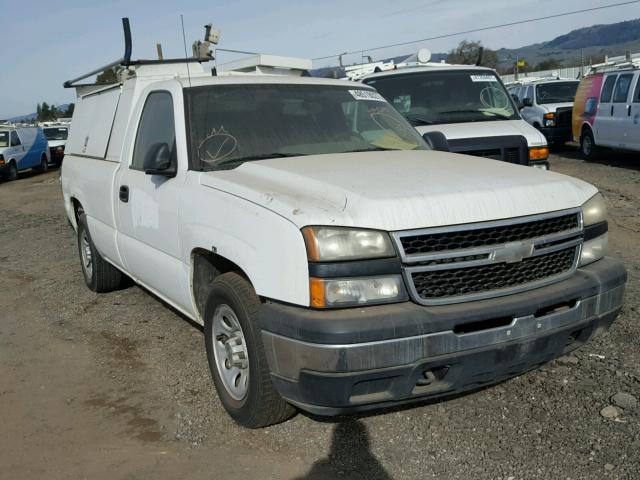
[
  {"x": 527, "y": 102},
  {"x": 437, "y": 141},
  {"x": 159, "y": 161}
]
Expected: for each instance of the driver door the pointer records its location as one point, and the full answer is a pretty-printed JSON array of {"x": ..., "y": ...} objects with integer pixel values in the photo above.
[{"x": 148, "y": 205}]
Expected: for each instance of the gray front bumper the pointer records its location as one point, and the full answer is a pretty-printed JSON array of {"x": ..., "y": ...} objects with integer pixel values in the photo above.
[{"x": 331, "y": 377}]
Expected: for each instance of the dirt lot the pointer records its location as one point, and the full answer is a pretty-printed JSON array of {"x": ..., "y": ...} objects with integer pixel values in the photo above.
[{"x": 117, "y": 385}]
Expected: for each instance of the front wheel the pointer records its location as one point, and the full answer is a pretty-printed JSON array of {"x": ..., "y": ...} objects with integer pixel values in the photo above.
[
  {"x": 588, "y": 146},
  {"x": 236, "y": 355},
  {"x": 13, "y": 172}
]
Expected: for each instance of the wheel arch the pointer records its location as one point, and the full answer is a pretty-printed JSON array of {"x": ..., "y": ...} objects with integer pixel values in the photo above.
[{"x": 206, "y": 266}]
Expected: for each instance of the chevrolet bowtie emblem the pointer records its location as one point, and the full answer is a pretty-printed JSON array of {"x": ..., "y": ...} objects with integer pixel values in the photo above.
[{"x": 512, "y": 252}]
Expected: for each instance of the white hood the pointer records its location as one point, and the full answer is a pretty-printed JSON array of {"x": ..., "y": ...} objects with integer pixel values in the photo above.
[
  {"x": 398, "y": 190},
  {"x": 57, "y": 143},
  {"x": 495, "y": 128}
]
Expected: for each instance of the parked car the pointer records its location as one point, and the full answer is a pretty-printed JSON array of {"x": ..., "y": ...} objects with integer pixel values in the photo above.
[
  {"x": 336, "y": 262},
  {"x": 547, "y": 105},
  {"x": 22, "y": 148},
  {"x": 469, "y": 105},
  {"x": 607, "y": 108},
  {"x": 57, "y": 137}
]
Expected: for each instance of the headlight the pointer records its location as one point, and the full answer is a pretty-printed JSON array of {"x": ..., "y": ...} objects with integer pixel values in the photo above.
[
  {"x": 329, "y": 244},
  {"x": 348, "y": 292},
  {"x": 594, "y": 214},
  {"x": 593, "y": 250},
  {"x": 538, "y": 153},
  {"x": 594, "y": 210}
]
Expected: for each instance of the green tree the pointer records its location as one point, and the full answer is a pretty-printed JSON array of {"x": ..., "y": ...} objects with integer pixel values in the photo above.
[
  {"x": 108, "y": 76},
  {"x": 467, "y": 53},
  {"x": 53, "y": 112},
  {"x": 45, "y": 112},
  {"x": 68, "y": 113},
  {"x": 38, "y": 111},
  {"x": 550, "y": 64}
]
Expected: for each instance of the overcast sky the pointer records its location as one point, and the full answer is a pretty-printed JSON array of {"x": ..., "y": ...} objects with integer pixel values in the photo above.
[{"x": 47, "y": 42}]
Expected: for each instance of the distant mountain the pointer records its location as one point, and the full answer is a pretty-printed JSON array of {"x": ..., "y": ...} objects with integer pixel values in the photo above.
[
  {"x": 591, "y": 42},
  {"x": 29, "y": 116}
]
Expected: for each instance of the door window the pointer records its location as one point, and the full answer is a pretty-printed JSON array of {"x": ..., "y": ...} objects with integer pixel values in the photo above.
[
  {"x": 622, "y": 88},
  {"x": 607, "y": 90},
  {"x": 156, "y": 127},
  {"x": 529, "y": 93},
  {"x": 15, "y": 140},
  {"x": 636, "y": 96}
]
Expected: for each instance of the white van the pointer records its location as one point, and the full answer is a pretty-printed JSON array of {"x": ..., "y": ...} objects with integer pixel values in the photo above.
[
  {"x": 607, "y": 107},
  {"x": 57, "y": 136},
  {"x": 469, "y": 105},
  {"x": 22, "y": 148},
  {"x": 547, "y": 103}
]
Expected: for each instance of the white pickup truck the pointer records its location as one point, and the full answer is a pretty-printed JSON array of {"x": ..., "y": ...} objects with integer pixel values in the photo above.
[{"x": 336, "y": 261}]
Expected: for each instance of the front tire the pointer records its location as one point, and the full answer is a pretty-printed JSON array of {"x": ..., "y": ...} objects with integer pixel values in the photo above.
[
  {"x": 12, "y": 174},
  {"x": 99, "y": 275},
  {"x": 236, "y": 355},
  {"x": 588, "y": 146}
]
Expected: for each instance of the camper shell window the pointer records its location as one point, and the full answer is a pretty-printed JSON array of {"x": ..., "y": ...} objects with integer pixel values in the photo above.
[{"x": 4, "y": 139}]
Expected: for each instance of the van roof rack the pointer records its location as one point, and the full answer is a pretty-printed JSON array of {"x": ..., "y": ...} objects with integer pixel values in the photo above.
[
  {"x": 126, "y": 61},
  {"x": 623, "y": 62}
]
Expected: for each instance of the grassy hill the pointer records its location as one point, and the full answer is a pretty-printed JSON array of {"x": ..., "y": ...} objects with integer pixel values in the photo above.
[{"x": 594, "y": 42}]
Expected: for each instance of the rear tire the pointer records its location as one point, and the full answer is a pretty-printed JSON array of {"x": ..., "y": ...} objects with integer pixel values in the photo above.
[
  {"x": 236, "y": 355},
  {"x": 99, "y": 275},
  {"x": 588, "y": 147},
  {"x": 44, "y": 164}
]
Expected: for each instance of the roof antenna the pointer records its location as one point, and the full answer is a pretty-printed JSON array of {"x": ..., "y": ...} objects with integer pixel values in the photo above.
[{"x": 184, "y": 41}]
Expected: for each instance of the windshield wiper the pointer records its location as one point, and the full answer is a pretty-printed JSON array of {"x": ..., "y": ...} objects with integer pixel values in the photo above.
[
  {"x": 418, "y": 121},
  {"x": 260, "y": 156},
  {"x": 480, "y": 112},
  {"x": 374, "y": 149}
]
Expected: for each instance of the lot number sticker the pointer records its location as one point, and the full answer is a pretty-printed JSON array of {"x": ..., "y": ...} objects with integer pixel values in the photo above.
[
  {"x": 483, "y": 78},
  {"x": 367, "y": 95}
]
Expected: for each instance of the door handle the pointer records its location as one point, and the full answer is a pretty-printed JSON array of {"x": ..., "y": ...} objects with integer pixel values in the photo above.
[
  {"x": 612, "y": 110},
  {"x": 628, "y": 110},
  {"x": 124, "y": 193}
]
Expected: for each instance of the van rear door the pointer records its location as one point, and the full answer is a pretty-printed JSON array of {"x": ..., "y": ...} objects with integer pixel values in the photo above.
[
  {"x": 621, "y": 109},
  {"x": 632, "y": 139}
]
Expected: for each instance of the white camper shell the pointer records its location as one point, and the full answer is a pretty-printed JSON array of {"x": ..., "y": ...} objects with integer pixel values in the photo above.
[{"x": 336, "y": 262}]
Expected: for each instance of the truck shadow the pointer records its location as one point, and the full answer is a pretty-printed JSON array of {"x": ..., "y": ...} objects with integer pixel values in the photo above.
[{"x": 349, "y": 457}]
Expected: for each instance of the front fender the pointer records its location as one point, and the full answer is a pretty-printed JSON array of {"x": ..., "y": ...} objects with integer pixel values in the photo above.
[{"x": 266, "y": 246}]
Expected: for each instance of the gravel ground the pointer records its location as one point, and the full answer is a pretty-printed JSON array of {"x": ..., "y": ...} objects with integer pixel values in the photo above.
[{"x": 117, "y": 385}]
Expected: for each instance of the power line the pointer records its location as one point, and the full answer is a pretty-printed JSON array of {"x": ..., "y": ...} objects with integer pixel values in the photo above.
[{"x": 502, "y": 25}]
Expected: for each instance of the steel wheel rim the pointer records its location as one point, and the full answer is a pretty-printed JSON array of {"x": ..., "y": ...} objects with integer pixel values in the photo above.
[
  {"x": 230, "y": 352},
  {"x": 86, "y": 255}
]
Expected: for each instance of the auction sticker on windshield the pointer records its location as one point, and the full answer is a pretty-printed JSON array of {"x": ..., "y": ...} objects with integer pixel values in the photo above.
[
  {"x": 483, "y": 78},
  {"x": 367, "y": 95}
]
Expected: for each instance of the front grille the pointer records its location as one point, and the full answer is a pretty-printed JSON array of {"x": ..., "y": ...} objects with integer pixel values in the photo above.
[
  {"x": 563, "y": 117},
  {"x": 464, "y": 239},
  {"x": 487, "y": 278},
  {"x": 494, "y": 153},
  {"x": 512, "y": 155},
  {"x": 473, "y": 261}
]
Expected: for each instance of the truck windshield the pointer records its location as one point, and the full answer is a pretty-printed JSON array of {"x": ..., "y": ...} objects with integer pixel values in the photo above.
[
  {"x": 556, "y": 92},
  {"x": 4, "y": 139},
  {"x": 56, "y": 133},
  {"x": 430, "y": 98},
  {"x": 232, "y": 124}
]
